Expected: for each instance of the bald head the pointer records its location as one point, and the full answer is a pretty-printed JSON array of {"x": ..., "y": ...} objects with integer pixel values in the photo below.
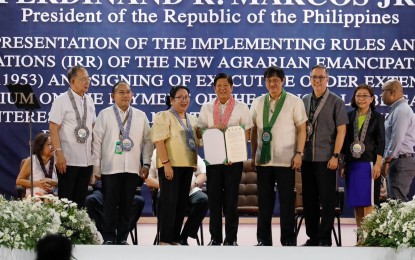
[
  {"x": 395, "y": 85},
  {"x": 391, "y": 91}
]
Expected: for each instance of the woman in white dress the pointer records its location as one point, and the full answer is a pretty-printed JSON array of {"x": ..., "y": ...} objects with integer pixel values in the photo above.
[{"x": 44, "y": 171}]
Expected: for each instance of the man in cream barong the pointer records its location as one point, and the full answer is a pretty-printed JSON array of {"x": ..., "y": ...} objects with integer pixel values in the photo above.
[{"x": 277, "y": 143}]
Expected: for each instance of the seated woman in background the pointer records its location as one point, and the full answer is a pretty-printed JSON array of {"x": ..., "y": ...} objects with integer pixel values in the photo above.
[{"x": 45, "y": 180}]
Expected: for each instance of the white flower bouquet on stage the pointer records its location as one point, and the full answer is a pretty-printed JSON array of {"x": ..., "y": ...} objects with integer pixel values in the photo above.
[
  {"x": 391, "y": 225},
  {"x": 24, "y": 222}
]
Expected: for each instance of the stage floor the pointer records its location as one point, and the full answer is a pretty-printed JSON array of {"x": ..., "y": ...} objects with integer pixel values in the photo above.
[
  {"x": 246, "y": 232},
  {"x": 239, "y": 253},
  {"x": 245, "y": 251},
  {"x": 84, "y": 252}
]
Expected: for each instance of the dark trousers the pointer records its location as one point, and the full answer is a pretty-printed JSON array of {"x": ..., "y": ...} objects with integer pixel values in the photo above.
[
  {"x": 73, "y": 184},
  {"x": 376, "y": 191},
  {"x": 223, "y": 189},
  {"x": 319, "y": 189},
  {"x": 400, "y": 175},
  {"x": 118, "y": 190},
  {"x": 173, "y": 202},
  {"x": 285, "y": 178},
  {"x": 197, "y": 209},
  {"x": 95, "y": 207}
]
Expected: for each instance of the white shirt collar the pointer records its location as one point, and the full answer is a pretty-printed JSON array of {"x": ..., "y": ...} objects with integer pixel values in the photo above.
[
  {"x": 77, "y": 96},
  {"x": 120, "y": 110}
]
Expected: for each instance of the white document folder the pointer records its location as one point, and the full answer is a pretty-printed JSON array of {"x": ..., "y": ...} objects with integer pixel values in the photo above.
[{"x": 225, "y": 147}]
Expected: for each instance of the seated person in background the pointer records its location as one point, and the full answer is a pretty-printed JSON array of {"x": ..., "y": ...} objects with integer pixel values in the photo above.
[
  {"x": 45, "y": 180},
  {"x": 95, "y": 207},
  {"x": 198, "y": 200}
]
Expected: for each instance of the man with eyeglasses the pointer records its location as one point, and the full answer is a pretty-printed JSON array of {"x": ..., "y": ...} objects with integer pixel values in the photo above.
[
  {"x": 71, "y": 119},
  {"x": 121, "y": 139},
  {"x": 399, "y": 156},
  {"x": 326, "y": 129}
]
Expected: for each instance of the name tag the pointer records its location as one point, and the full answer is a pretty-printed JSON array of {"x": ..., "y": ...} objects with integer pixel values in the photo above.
[{"x": 118, "y": 148}]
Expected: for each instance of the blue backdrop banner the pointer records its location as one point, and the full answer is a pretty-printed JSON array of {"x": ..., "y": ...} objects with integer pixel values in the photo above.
[{"x": 155, "y": 44}]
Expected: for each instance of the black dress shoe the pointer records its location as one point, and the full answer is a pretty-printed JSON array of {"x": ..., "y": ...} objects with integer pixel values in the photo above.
[
  {"x": 324, "y": 243},
  {"x": 123, "y": 243},
  {"x": 226, "y": 243},
  {"x": 310, "y": 243},
  {"x": 262, "y": 244},
  {"x": 288, "y": 244},
  {"x": 184, "y": 242},
  {"x": 214, "y": 243},
  {"x": 109, "y": 242}
]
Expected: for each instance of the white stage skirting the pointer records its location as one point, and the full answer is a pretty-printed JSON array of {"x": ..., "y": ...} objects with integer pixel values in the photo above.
[{"x": 86, "y": 252}]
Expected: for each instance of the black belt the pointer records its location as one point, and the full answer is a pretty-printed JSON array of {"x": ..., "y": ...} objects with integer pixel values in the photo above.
[{"x": 406, "y": 155}]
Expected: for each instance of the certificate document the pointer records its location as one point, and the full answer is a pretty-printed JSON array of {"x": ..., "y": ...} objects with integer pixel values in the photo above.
[
  {"x": 235, "y": 140},
  {"x": 220, "y": 147}
]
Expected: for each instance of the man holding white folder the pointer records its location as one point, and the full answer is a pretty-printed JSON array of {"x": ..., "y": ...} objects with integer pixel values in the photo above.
[{"x": 223, "y": 179}]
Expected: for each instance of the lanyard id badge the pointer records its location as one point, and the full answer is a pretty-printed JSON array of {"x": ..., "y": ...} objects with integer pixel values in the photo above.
[{"x": 118, "y": 148}]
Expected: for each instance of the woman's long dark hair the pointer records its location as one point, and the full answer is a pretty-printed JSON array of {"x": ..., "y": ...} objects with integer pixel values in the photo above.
[{"x": 38, "y": 144}]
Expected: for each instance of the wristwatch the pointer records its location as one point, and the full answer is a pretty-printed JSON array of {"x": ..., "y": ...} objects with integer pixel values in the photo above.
[
  {"x": 300, "y": 153},
  {"x": 336, "y": 155}
]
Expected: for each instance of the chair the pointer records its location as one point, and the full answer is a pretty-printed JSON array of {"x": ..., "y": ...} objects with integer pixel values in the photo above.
[
  {"x": 299, "y": 210},
  {"x": 248, "y": 193},
  {"x": 154, "y": 198},
  {"x": 134, "y": 232},
  {"x": 21, "y": 192}
]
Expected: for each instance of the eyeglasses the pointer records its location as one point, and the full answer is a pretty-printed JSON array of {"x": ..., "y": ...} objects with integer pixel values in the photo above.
[
  {"x": 317, "y": 78},
  {"x": 122, "y": 93},
  {"x": 362, "y": 96},
  {"x": 85, "y": 79},
  {"x": 386, "y": 89},
  {"x": 182, "y": 97}
]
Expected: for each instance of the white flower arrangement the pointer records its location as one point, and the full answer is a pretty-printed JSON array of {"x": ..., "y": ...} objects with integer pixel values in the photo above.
[
  {"x": 391, "y": 225},
  {"x": 24, "y": 222}
]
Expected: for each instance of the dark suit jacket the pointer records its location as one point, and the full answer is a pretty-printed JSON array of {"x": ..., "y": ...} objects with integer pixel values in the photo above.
[{"x": 374, "y": 141}]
